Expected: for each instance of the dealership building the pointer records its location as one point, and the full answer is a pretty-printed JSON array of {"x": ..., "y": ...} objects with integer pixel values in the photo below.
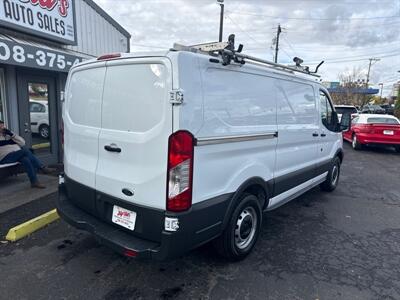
[{"x": 40, "y": 40}]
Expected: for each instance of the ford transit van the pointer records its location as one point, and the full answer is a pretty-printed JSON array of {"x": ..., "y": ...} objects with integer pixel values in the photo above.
[{"x": 166, "y": 151}]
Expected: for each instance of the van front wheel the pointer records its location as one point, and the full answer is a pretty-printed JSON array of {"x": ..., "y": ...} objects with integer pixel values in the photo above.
[
  {"x": 332, "y": 179},
  {"x": 242, "y": 231}
]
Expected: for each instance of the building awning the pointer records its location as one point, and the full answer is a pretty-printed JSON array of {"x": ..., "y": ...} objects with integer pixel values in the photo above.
[{"x": 31, "y": 54}]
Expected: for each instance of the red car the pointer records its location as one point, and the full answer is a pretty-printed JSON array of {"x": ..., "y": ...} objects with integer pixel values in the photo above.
[{"x": 370, "y": 129}]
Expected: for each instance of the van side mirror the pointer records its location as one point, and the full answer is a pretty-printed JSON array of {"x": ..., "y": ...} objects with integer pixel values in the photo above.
[
  {"x": 345, "y": 122},
  {"x": 335, "y": 125}
]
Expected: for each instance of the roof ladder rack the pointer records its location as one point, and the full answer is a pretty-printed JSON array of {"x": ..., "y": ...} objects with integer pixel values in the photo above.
[{"x": 227, "y": 52}]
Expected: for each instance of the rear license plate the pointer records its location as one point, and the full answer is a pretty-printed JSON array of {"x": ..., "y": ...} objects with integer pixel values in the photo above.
[
  {"x": 124, "y": 217},
  {"x": 388, "y": 132}
]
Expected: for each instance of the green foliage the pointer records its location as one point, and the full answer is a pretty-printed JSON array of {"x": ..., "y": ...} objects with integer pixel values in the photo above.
[{"x": 397, "y": 105}]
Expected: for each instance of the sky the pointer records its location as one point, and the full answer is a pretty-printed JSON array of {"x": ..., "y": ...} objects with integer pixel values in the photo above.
[{"x": 343, "y": 33}]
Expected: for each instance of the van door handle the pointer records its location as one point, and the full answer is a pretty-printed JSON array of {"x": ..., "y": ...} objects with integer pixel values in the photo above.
[
  {"x": 112, "y": 148},
  {"x": 323, "y": 134},
  {"x": 315, "y": 134}
]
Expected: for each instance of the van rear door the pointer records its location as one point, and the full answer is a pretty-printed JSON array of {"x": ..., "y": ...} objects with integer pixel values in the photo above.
[
  {"x": 136, "y": 123},
  {"x": 82, "y": 123}
]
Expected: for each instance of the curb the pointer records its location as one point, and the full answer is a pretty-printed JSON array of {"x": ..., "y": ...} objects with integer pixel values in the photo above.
[{"x": 18, "y": 232}]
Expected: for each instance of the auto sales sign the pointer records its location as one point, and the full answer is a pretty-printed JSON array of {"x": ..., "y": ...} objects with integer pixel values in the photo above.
[{"x": 50, "y": 19}]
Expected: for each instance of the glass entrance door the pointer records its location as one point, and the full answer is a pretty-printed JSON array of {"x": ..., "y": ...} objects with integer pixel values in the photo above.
[{"x": 37, "y": 110}]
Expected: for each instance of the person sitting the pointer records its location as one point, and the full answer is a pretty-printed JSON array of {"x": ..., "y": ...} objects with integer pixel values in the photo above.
[{"x": 12, "y": 150}]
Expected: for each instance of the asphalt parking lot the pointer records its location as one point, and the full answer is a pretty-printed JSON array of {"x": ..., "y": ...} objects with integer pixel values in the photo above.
[{"x": 343, "y": 245}]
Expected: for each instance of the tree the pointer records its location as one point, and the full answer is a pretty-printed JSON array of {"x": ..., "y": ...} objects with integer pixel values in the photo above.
[
  {"x": 349, "y": 81},
  {"x": 397, "y": 105}
]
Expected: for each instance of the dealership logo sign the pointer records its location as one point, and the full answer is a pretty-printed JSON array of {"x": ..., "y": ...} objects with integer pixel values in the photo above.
[
  {"x": 51, "y": 19},
  {"x": 51, "y": 4}
]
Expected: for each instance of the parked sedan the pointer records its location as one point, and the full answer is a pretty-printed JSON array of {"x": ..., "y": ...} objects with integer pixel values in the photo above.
[
  {"x": 389, "y": 108},
  {"x": 372, "y": 109},
  {"x": 371, "y": 129}
]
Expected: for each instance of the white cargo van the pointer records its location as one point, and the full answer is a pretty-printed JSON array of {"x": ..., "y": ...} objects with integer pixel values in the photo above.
[{"x": 166, "y": 151}]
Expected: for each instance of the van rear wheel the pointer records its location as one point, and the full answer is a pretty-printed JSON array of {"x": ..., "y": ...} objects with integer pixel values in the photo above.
[
  {"x": 242, "y": 231},
  {"x": 332, "y": 179}
]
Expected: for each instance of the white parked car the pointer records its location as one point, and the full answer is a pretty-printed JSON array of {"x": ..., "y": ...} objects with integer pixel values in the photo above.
[
  {"x": 166, "y": 151},
  {"x": 39, "y": 111}
]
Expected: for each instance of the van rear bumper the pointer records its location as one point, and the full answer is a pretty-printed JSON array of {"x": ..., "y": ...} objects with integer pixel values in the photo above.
[{"x": 202, "y": 223}]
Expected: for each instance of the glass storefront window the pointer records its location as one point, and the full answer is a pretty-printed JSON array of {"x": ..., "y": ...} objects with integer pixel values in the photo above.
[
  {"x": 3, "y": 116},
  {"x": 39, "y": 116}
]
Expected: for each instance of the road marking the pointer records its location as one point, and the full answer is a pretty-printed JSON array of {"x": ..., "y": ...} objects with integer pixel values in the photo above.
[{"x": 40, "y": 146}]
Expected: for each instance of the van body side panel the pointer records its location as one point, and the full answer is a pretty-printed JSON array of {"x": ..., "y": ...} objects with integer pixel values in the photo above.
[
  {"x": 190, "y": 112},
  {"x": 137, "y": 119},
  {"x": 297, "y": 149},
  {"x": 238, "y": 132},
  {"x": 82, "y": 122}
]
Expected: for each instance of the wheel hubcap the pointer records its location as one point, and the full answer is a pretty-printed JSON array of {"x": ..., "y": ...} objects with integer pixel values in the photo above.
[
  {"x": 354, "y": 141},
  {"x": 335, "y": 174},
  {"x": 45, "y": 132},
  {"x": 245, "y": 229}
]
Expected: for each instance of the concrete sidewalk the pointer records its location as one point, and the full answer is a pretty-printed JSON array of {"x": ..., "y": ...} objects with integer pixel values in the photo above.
[{"x": 16, "y": 190}]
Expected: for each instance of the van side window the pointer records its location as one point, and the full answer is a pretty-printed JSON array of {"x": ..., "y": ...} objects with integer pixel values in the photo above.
[
  {"x": 245, "y": 105},
  {"x": 327, "y": 112},
  {"x": 296, "y": 103},
  {"x": 36, "y": 107}
]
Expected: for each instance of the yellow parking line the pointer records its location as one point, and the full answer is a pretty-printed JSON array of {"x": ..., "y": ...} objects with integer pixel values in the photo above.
[
  {"x": 40, "y": 146},
  {"x": 18, "y": 232}
]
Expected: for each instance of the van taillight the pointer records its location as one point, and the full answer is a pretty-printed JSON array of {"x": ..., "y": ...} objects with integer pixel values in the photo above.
[{"x": 180, "y": 171}]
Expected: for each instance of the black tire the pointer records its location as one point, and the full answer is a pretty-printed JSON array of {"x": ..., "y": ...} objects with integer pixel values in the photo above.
[
  {"x": 332, "y": 178},
  {"x": 44, "y": 131},
  {"x": 236, "y": 242},
  {"x": 355, "y": 143},
  {"x": 397, "y": 148}
]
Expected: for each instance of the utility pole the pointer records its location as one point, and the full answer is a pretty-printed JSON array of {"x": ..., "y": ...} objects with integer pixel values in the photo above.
[
  {"x": 221, "y": 20},
  {"x": 369, "y": 69},
  {"x": 368, "y": 73},
  {"x": 381, "y": 85},
  {"x": 278, "y": 33}
]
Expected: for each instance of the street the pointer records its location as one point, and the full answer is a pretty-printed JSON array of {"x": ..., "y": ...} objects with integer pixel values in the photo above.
[{"x": 340, "y": 245}]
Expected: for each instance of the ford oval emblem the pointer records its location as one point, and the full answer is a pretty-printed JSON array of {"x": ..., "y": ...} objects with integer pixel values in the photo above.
[{"x": 127, "y": 192}]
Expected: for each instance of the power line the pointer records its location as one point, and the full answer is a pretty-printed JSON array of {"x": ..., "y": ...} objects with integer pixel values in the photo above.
[
  {"x": 314, "y": 47},
  {"x": 290, "y": 45},
  {"x": 327, "y": 61},
  {"x": 313, "y": 19},
  {"x": 360, "y": 57},
  {"x": 241, "y": 29}
]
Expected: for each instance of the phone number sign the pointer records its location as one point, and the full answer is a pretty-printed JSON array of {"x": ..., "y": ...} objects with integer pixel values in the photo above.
[
  {"x": 50, "y": 19},
  {"x": 35, "y": 57}
]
